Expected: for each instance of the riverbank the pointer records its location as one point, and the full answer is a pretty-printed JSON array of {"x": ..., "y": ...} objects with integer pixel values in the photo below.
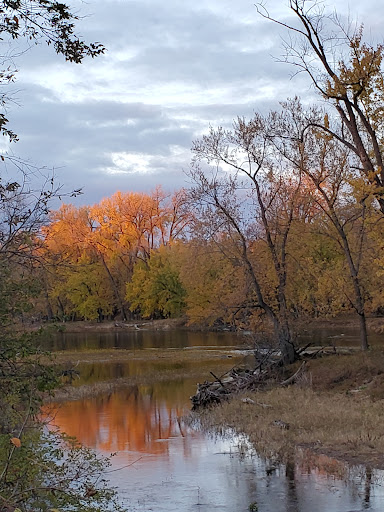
[
  {"x": 114, "y": 325},
  {"x": 375, "y": 325},
  {"x": 336, "y": 409}
]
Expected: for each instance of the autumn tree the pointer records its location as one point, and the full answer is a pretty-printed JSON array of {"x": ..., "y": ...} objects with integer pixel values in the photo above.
[
  {"x": 326, "y": 163},
  {"x": 347, "y": 73},
  {"x": 156, "y": 288},
  {"x": 319, "y": 286},
  {"x": 111, "y": 236},
  {"x": 129, "y": 227},
  {"x": 247, "y": 191},
  {"x": 215, "y": 284}
]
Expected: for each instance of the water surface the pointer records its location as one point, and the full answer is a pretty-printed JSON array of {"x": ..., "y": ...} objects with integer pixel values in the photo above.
[
  {"x": 165, "y": 464},
  {"x": 146, "y": 339}
]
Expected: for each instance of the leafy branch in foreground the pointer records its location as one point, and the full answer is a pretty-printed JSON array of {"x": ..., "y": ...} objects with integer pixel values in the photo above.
[
  {"x": 52, "y": 21},
  {"x": 53, "y": 471},
  {"x": 41, "y": 470},
  {"x": 36, "y": 21}
]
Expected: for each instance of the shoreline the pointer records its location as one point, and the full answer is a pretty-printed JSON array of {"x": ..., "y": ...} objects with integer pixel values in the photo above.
[
  {"x": 336, "y": 410},
  {"x": 374, "y": 323},
  {"x": 275, "y": 433}
]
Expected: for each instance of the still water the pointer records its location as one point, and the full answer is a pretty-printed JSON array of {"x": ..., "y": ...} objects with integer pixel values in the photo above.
[
  {"x": 146, "y": 339},
  {"x": 164, "y": 464}
]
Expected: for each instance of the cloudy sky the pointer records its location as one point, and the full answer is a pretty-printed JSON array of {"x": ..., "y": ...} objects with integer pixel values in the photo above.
[{"x": 126, "y": 120}]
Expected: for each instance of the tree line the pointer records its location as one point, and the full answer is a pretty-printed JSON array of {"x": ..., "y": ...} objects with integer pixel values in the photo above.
[
  {"x": 283, "y": 220},
  {"x": 278, "y": 228}
]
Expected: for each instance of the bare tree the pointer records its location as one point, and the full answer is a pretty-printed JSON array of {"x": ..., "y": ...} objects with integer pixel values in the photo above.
[
  {"x": 326, "y": 162},
  {"x": 249, "y": 192}
]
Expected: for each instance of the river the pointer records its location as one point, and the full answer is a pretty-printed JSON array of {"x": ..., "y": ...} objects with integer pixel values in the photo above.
[{"x": 164, "y": 464}]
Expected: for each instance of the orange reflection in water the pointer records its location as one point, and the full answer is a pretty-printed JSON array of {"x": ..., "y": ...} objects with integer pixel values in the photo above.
[
  {"x": 308, "y": 461},
  {"x": 135, "y": 419}
]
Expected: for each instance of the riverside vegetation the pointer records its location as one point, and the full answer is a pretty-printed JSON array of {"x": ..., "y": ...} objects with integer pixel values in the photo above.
[
  {"x": 284, "y": 222},
  {"x": 334, "y": 408}
]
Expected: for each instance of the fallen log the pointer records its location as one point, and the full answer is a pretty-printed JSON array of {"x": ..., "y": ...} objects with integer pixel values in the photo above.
[
  {"x": 281, "y": 424},
  {"x": 207, "y": 395}
]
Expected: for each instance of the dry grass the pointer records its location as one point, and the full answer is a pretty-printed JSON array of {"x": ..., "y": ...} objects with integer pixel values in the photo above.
[
  {"x": 336, "y": 409},
  {"x": 361, "y": 372},
  {"x": 329, "y": 423}
]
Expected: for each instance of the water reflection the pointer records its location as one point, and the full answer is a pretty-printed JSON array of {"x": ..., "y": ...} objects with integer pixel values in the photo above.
[
  {"x": 107, "y": 371},
  {"x": 136, "y": 419},
  {"x": 178, "y": 468},
  {"x": 139, "y": 340},
  {"x": 337, "y": 336}
]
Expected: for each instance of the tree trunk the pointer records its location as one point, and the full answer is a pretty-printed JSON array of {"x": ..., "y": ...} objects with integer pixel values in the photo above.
[
  {"x": 49, "y": 307},
  {"x": 287, "y": 348},
  {"x": 363, "y": 332},
  {"x": 115, "y": 290},
  {"x": 360, "y": 306}
]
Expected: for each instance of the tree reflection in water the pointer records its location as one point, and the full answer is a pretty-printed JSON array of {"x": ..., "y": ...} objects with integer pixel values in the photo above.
[
  {"x": 172, "y": 461},
  {"x": 134, "y": 419}
]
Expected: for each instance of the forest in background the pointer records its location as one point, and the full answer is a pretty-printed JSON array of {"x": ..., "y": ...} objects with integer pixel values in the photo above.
[{"x": 156, "y": 255}]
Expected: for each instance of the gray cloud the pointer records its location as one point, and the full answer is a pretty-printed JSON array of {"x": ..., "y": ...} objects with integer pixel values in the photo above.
[{"x": 126, "y": 120}]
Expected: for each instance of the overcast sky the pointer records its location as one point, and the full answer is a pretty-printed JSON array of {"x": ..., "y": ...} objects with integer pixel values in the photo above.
[{"x": 126, "y": 120}]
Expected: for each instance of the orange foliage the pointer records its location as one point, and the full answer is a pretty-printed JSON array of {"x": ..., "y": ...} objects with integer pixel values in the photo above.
[{"x": 125, "y": 224}]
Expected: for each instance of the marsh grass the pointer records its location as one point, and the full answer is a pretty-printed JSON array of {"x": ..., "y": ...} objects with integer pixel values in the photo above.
[
  {"x": 327, "y": 422},
  {"x": 336, "y": 409}
]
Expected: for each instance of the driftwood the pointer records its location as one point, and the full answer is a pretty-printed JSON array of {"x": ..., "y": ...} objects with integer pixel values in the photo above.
[
  {"x": 281, "y": 424},
  {"x": 236, "y": 381},
  {"x": 233, "y": 382},
  {"x": 295, "y": 376},
  {"x": 252, "y": 402},
  {"x": 268, "y": 369}
]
